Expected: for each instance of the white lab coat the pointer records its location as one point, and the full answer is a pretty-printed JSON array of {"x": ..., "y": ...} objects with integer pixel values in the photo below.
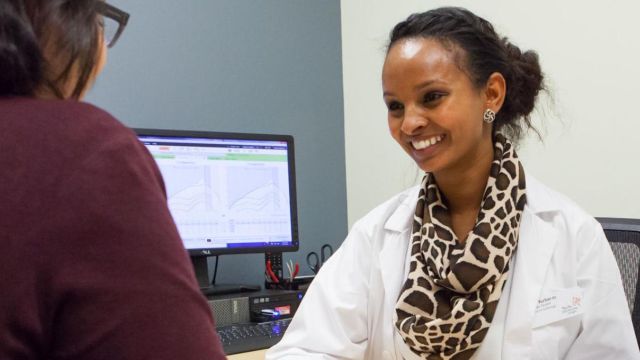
[{"x": 347, "y": 311}]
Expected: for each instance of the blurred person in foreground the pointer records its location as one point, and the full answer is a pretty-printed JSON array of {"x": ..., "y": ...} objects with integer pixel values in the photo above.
[{"x": 91, "y": 264}]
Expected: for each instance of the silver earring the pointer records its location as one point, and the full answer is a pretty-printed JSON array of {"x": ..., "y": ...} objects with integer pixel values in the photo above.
[{"x": 489, "y": 116}]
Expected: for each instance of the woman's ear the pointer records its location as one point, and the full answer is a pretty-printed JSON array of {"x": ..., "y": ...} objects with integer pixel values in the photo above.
[{"x": 495, "y": 91}]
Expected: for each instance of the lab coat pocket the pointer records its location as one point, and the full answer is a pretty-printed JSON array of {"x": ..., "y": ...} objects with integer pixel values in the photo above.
[
  {"x": 556, "y": 322},
  {"x": 552, "y": 341}
]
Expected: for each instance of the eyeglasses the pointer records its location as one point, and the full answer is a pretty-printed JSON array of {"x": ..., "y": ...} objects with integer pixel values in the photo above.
[{"x": 113, "y": 22}]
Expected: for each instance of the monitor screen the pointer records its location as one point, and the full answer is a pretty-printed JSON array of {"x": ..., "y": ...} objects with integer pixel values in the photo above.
[{"x": 228, "y": 192}]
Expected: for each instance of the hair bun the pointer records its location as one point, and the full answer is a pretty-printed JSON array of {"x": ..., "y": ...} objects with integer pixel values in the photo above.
[
  {"x": 20, "y": 56},
  {"x": 526, "y": 81}
]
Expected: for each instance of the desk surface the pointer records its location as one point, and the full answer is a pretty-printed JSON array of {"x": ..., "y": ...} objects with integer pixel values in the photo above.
[{"x": 254, "y": 355}]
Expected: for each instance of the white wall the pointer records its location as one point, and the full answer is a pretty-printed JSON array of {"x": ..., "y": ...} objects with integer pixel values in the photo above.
[{"x": 590, "y": 53}]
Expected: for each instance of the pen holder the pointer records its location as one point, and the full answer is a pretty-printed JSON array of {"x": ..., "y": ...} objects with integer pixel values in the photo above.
[
  {"x": 284, "y": 284},
  {"x": 299, "y": 283}
]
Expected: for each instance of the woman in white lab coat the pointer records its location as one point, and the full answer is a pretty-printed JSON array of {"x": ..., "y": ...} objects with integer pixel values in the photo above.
[{"x": 480, "y": 261}]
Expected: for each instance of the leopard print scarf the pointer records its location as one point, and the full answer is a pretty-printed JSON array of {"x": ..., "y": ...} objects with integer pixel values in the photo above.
[{"x": 448, "y": 301}]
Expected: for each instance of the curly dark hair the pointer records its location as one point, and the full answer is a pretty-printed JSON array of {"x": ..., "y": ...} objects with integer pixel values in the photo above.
[
  {"x": 484, "y": 52},
  {"x": 68, "y": 27}
]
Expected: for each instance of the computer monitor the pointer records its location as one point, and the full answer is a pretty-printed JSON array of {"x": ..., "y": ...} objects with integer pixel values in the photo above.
[{"x": 228, "y": 193}]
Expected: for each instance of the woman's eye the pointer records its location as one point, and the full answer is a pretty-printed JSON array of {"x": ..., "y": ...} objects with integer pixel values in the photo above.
[
  {"x": 433, "y": 96},
  {"x": 394, "y": 106}
]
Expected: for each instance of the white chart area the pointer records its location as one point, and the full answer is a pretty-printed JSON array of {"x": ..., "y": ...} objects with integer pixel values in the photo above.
[{"x": 219, "y": 202}]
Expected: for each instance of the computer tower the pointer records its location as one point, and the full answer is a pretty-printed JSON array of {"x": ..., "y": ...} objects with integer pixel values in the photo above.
[
  {"x": 247, "y": 307},
  {"x": 230, "y": 309}
]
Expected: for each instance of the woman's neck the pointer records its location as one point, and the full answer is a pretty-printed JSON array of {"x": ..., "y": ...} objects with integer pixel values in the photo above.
[{"x": 464, "y": 186}]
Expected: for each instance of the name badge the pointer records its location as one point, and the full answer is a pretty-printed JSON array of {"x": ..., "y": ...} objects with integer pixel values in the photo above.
[{"x": 557, "y": 305}]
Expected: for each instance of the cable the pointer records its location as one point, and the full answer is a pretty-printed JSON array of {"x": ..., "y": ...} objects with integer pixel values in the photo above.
[{"x": 215, "y": 272}]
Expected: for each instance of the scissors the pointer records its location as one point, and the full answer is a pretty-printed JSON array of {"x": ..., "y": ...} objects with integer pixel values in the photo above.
[{"x": 315, "y": 262}]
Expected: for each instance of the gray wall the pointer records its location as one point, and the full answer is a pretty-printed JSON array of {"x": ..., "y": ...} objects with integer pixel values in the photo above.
[{"x": 271, "y": 66}]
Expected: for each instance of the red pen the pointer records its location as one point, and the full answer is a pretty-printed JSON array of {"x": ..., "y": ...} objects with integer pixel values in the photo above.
[{"x": 295, "y": 272}]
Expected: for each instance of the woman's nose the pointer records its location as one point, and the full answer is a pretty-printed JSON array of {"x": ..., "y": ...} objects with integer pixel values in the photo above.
[{"x": 413, "y": 121}]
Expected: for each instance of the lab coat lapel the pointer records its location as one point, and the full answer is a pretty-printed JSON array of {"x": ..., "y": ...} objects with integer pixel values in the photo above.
[
  {"x": 535, "y": 248},
  {"x": 393, "y": 252},
  {"x": 392, "y": 257}
]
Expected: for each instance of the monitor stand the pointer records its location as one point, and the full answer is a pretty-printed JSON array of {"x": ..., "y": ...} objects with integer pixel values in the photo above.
[{"x": 201, "y": 267}]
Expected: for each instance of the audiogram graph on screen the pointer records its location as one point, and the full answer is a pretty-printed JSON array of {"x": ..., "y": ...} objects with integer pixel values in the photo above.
[{"x": 239, "y": 193}]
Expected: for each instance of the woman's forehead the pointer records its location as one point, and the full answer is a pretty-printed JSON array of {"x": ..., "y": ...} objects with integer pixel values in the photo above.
[{"x": 419, "y": 58}]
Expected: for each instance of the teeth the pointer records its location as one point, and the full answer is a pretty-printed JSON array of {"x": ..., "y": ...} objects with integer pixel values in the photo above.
[{"x": 423, "y": 144}]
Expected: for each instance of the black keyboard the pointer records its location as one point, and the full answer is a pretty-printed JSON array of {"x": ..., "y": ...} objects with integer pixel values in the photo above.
[{"x": 248, "y": 337}]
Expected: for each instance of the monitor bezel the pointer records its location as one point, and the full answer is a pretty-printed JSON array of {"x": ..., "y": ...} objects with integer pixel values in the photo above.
[{"x": 293, "y": 208}]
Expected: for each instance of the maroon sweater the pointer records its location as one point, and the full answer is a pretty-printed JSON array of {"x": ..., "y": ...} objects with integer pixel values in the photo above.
[{"x": 91, "y": 264}]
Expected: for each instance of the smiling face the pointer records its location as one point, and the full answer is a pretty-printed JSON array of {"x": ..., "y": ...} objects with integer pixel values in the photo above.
[{"x": 434, "y": 110}]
